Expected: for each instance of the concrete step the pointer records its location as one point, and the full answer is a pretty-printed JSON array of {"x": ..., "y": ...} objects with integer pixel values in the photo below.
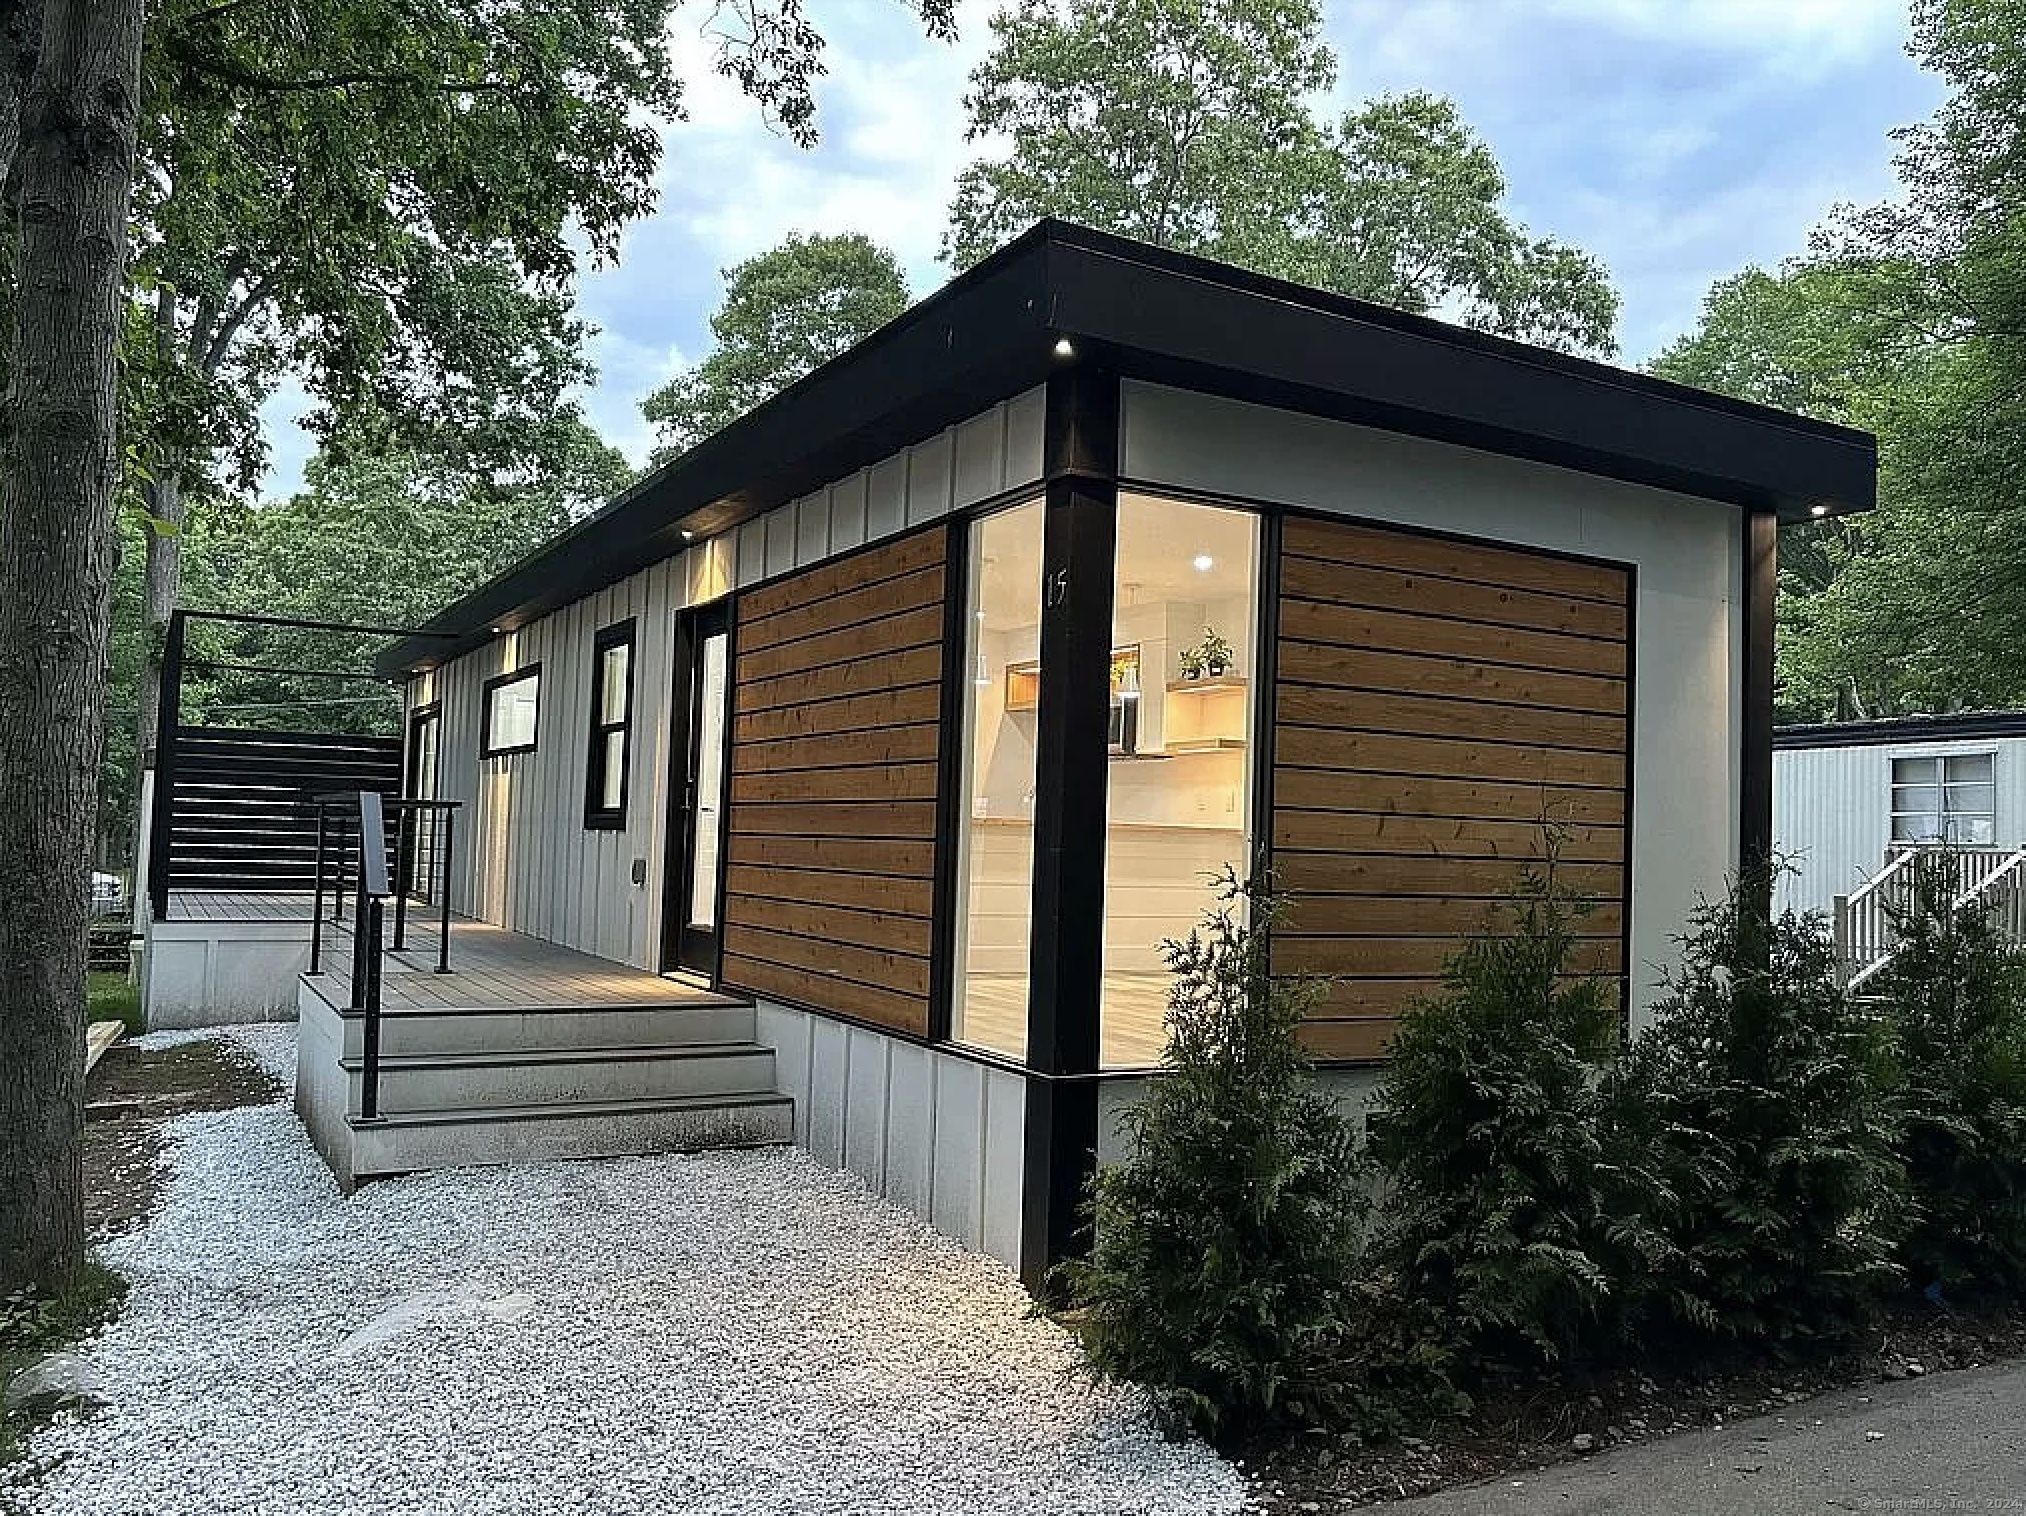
[
  {"x": 593, "y": 1129},
  {"x": 417, "y": 1082},
  {"x": 689, "y": 1023}
]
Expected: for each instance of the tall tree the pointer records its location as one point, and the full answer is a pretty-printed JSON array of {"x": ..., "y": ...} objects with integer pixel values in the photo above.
[
  {"x": 1189, "y": 125},
  {"x": 785, "y": 312},
  {"x": 385, "y": 200},
  {"x": 72, "y": 101},
  {"x": 1908, "y": 319}
]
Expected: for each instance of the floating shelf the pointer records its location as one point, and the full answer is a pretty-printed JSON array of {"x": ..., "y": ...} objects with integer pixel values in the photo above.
[
  {"x": 1206, "y": 745},
  {"x": 1205, "y": 686}
]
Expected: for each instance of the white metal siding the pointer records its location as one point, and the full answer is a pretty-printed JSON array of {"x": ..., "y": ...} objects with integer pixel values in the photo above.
[
  {"x": 525, "y": 860},
  {"x": 1689, "y": 645},
  {"x": 1832, "y": 811}
]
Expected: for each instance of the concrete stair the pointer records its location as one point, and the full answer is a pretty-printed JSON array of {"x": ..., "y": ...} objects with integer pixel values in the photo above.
[{"x": 461, "y": 1086}]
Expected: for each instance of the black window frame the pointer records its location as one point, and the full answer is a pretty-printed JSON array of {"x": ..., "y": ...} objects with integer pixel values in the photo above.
[
  {"x": 602, "y": 818},
  {"x": 486, "y": 749}
]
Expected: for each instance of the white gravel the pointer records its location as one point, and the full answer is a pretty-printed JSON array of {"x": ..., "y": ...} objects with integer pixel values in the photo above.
[{"x": 734, "y": 1332}]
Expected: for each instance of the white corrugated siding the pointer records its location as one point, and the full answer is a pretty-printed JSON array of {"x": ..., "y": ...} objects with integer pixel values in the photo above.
[
  {"x": 1832, "y": 811},
  {"x": 524, "y": 858}
]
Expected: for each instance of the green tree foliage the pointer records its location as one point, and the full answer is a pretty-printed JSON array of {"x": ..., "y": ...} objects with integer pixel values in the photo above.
[
  {"x": 1513, "y": 1209},
  {"x": 1956, "y": 992},
  {"x": 1764, "y": 1094},
  {"x": 1908, "y": 319},
  {"x": 785, "y": 312},
  {"x": 1189, "y": 125},
  {"x": 1224, "y": 1249}
]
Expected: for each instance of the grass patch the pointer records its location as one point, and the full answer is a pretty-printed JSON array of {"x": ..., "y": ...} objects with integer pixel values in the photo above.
[
  {"x": 33, "y": 1325},
  {"x": 110, "y": 997}
]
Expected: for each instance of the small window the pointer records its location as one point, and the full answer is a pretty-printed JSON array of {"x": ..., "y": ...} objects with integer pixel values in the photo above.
[
  {"x": 510, "y": 707},
  {"x": 1951, "y": 798},
  {"x": 611, "y": 726}
]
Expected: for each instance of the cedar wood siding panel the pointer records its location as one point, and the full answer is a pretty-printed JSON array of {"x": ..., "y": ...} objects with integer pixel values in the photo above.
[
  {"x": 1433, "y": 700},
  {"x": 836, "y": 715}
]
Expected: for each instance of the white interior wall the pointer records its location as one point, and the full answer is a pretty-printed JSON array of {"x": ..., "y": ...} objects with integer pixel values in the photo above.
[{"x": 1689, "y": 652}]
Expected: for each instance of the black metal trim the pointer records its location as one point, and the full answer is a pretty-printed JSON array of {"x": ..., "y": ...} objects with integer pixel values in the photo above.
[
  {"x": 1762, "y": 581},
  {"x": 168, "y": 722},
  {"x": 952, "y": 779},
  {"x": 694, "y": 626},
  {"x": 1625, "y": 961},
  {"x": 485, "y": 747},
  {"x": 604, "y": 818},
  {"x": 1173, "y": 319},
  {"x": 1059, "y": 1157},
  {"x": 1265, "y": 690},
  {"x": 1895, "y": 731}
]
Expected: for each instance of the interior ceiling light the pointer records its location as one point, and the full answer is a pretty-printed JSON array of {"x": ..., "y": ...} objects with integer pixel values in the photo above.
[
  {"x": 1205, "y": 563},
  {"x": 1064, "y": 348}
]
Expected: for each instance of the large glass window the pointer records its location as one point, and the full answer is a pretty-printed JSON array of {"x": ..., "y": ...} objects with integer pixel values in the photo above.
[
  {"x": 1947, "y": 798},
  {"x": 611, "y": 724},
  {"x": 1178, "y": 797},
  {"x": 511, "y": 703},
  {"x": 995, "y": 856}
]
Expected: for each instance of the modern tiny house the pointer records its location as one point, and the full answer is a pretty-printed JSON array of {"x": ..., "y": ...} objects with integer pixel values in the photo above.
[{"x": 914, "y": 709}]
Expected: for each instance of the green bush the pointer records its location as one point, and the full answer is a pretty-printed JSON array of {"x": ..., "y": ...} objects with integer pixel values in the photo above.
[
  {"x": 1956, "y": 995},
  {"x": 1225, "y": 1251},
  {"x": 1765, "y": 1094},
  {"x": 1512, "y": 1209},
  {"x": 33, "y": 1325}
]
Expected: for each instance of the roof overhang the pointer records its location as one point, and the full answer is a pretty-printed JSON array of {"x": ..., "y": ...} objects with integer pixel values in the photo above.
[
  {"x": 1170, "y": 318},
  {"x": 1888, "y": 731}
]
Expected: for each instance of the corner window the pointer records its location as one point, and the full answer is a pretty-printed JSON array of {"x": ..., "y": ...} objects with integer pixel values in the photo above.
[
  {"x": 510, "y": 708},
  {"x": 1945, "y": 798},
  {"x": 611, "y": 726}
]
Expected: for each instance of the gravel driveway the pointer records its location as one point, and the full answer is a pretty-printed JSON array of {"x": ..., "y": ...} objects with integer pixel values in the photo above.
[{"x": 736, "y": 1332}]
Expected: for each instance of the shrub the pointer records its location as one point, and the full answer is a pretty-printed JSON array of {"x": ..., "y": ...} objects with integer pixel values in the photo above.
[
  {"x": 1956, "y": 996},
  {"x": 1765, "y": 1094},
  {"x": 1224, "y": 1251},
  {"x": 1512, "y": 1210},
  {"x": 33, "y": 1324}
]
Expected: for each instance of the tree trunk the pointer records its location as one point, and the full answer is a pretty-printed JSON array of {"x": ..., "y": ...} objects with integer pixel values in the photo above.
[
  {"x": 162, "y": 583},
  {"x": 59, "y": 471}
]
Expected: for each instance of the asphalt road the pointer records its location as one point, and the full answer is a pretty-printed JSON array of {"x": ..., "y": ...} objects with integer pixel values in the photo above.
[{"x": 1948, "y": 1443}]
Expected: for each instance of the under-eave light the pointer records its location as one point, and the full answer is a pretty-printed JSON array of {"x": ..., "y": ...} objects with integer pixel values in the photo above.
[
  {"x": 1064, "y": 348},
  {"x": 688, "y": 535},
  {"x": 1818, "y": 509},
  {"x": 1205, "y": 563},
  {"x": 498, "y": 631}
]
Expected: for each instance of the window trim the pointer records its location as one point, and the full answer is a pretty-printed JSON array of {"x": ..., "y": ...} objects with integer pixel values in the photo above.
[
  {"x": 1941, "y": 785},
  {"x": 486, "y": 749},
  {"x": 603, "y": 818}
]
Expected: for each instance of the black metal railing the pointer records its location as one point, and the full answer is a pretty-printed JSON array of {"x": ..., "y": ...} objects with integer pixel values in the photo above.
[{"x": 368, "y": 866}]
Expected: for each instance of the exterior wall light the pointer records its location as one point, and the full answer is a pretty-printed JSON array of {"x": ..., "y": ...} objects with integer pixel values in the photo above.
[{"x": 1064, "y": 348}]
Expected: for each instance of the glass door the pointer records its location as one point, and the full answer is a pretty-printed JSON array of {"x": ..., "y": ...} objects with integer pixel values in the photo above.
[
  {"x": 702, "y": 705},
  {"x": 425, "y": 729}
]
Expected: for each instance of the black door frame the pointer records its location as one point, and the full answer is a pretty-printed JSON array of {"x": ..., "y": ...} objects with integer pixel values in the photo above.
[{"x": 682, "y": 950}]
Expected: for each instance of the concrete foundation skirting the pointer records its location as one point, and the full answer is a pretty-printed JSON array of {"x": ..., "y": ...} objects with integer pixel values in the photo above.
[
  {"x": 941, "y": 1135},
  {"x": 221, "y": 973}
]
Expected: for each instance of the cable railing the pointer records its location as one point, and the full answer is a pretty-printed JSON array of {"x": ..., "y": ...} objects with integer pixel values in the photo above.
[{"x": 373, "y": 850}]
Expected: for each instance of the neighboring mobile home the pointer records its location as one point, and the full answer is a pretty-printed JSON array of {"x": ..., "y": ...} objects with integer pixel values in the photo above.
[
  {"x": 906, "y": 716},
  {"x": 1854, "y": 802}
]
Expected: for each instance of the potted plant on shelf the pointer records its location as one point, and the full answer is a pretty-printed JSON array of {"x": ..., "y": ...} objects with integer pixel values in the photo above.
[
  {"x": 1214, "y": 652},
  {"x": 1192, "y": 664}
]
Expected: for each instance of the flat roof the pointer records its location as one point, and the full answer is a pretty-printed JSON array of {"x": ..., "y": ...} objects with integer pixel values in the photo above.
[
  {"x": 1957, "y": 726},
  {"x": 1170, "y": 318}
]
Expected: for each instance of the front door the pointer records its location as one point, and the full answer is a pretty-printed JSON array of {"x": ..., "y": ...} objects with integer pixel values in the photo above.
[{"x": 702, "y": 706}]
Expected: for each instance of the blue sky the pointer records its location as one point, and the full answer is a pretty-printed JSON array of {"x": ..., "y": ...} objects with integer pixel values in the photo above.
[{"x": 1676, "y": 139}]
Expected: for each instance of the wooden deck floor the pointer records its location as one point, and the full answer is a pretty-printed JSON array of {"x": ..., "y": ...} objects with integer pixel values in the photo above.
[{"x": 496, "y": 970}]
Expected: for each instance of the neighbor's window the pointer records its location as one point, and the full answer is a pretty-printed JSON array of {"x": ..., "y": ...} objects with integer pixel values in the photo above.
[
  {"x": 995, "y": 858},
  {"x": 510, "y": 703},
  {"x": 1178, "y": 804},
  {"x": 1945, "y": 798},
  {"x": 611, "y": 723}
]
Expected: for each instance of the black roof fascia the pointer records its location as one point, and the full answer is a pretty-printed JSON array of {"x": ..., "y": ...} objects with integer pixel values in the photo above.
[
  {"x": 1171, "y": 318},
  {"x": 1959, "y": 726}
]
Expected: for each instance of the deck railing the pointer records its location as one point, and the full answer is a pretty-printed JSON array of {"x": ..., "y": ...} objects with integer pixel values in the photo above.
[
  {"x": 352, "y": 850},
  {"x": 1865, "y": 931}
]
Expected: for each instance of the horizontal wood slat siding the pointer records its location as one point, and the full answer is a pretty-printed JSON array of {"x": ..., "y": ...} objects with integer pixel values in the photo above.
[
  {"x": 1434, "y": 700},
  {"x": 836, "y": 715}
]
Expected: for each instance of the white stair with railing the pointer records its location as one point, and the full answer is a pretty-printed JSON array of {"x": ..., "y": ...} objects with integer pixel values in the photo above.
[{"x": 1991, "y": 877}]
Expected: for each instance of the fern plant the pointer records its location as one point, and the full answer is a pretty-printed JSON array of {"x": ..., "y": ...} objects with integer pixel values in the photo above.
[
  {"x": 1956, "y": 995},
  {"x": 1766, "y": 1094},
  {"x": 1512, "y": 1208},
  {"x": 1225, "y": 1249}
]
